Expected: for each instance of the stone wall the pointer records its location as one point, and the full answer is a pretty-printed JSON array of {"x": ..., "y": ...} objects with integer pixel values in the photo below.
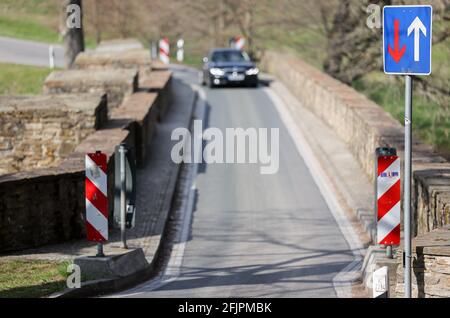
[
  {"x": 116, "y": 83},
  {"x": 431, "y": 193},
  {"x": 47, "y": 206},
  {"x": 40, "y": 207},
  {"x": 364, "y": 126},
  {"x": 431, "y": 265},
  {"x": 39, "y": 131}
]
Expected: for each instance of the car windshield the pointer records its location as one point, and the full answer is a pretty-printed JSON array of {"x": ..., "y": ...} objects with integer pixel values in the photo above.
[{"x": 229, "y": 56}]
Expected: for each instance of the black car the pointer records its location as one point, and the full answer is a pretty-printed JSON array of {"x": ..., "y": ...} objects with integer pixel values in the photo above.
[{"x": 229, "y": 67}]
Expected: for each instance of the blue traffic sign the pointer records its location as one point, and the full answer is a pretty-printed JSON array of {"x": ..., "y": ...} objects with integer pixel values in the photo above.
[{"x": 407, "y": 33}]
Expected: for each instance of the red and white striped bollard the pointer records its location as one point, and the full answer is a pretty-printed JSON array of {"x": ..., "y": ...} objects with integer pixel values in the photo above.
[
  {"x": 96, "y": 185},
  {"x": 388, "y": 200},
  {"x": 164, "y": 50},
  {"x": 239, "y": 43}
]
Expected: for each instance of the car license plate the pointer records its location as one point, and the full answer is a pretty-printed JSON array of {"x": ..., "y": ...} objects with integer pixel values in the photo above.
[{"x": 236, "y": 77}]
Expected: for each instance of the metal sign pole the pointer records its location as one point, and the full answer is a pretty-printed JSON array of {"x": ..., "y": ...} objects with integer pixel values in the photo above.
[
  {"x": 122, "y": 151},
  {"x": 407, "y": 43},
  {"x": 407, "y": 183},
  {"x": 100, "y": 250},
  {"x": 389, "y": 252}
]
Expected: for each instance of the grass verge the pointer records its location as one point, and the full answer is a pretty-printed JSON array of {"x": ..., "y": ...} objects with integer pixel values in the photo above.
[
  {"x": 431, "y": 121},
  {"x": 31, "y": 279},
  {"x": 19, "y": 79},
  {"x": 27, "y": 30}
]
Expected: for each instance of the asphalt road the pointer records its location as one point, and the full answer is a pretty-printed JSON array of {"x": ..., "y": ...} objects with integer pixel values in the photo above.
[
  {"x": 28, "y": 52},
  {"x": 256, "y": 235}
]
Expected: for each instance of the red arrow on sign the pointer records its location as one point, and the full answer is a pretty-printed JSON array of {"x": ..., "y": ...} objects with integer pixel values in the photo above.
[{"x": 396, "y": 53}]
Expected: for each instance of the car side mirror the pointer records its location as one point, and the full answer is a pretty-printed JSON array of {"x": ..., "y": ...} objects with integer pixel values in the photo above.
[{"x": 205, "y": 60}]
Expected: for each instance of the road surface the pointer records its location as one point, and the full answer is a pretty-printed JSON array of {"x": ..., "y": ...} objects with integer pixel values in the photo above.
[
  {"x": 256, "y": 235},
  {"x": 28, "y": 52}
]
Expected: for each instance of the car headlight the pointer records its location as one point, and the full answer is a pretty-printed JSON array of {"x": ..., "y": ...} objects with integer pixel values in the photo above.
[
  {"x": 252, "y": 71},
  {"x": 217, "y": 72}
]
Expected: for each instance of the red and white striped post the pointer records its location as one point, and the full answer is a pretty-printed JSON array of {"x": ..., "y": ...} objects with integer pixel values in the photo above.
[
  {"x": 388, "y": 200},
  {"x": 239, "y": 42},
  {"x": 96, "y": 199},
  {"x": 164, "y": 50}
]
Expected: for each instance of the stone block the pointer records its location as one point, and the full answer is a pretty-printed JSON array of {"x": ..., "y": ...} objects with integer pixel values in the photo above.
[
  {"x": 130, "y": 59},
  {"x": 140, "y": 110},
  {"x": 431, "y": 264},
  {"x": 159, "y": 82},
  {"x": 117, "y": 83},
  {"x": 119, "y": 265},
  {"x": 42, "y": 130}
]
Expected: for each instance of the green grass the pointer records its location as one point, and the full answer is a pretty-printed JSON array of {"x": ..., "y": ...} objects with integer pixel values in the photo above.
[
  {"x": 27, "y": 29},
  {"x": 307, "y": 43},
  {"x": 36, "y": 7},
  {"x": 30, "y": 19},
  {"x": 192, "y": 60},
  {"x": 31, "y": 279},
  {"x": 431, "y": 121},
  {"x": 19, "y": 79}
]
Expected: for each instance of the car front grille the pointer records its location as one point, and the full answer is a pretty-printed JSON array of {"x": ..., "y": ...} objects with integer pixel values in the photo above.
[{"x": 229, "y": 71}]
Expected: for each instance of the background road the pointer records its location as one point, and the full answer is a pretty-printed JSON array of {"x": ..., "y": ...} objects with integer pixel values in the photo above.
[
  {"x": 29, "y": 52},
  {"x": 256, "y": 235}
]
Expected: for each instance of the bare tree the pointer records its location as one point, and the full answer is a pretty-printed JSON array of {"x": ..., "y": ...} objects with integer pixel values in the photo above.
[
  {"x": 336, "y": 31},
  {"x": 96, "y": 21},
  {"x": 254, "y": 18},
  {"x": 353, "y": 49}
]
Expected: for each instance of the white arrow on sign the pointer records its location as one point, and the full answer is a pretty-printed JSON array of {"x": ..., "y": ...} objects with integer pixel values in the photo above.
[{"x": 417, "y": 26}]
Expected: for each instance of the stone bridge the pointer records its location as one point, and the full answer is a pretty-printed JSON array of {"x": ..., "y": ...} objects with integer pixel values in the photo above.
[{"x": 117, "y": 94}]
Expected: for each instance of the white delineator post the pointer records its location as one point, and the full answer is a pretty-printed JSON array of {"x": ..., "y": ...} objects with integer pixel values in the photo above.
[
  {"x": 96, "y": 199},
  {"x": 164, "y": 50},
  {"x": 180, "y": 51},
  {"x": 51, "y": 57}
]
